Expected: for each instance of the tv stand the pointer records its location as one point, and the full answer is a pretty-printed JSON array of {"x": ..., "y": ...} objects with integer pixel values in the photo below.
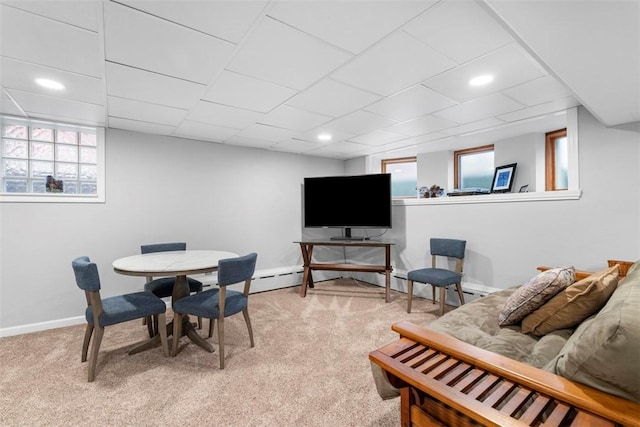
[{"x": 306, "y": 246}]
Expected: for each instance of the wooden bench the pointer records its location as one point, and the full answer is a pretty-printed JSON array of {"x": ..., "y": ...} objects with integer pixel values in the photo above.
[{"x": 446, "y": 382}]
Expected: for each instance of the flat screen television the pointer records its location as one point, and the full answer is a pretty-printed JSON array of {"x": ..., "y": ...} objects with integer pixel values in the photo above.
[{"x": 360, "y": 201}]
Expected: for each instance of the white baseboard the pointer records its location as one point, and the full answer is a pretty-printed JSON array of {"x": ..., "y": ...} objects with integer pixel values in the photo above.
[{"x": 264, "y": 280}]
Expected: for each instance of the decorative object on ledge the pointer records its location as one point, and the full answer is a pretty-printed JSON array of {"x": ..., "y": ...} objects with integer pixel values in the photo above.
[
  {"x": 467, "y": 191},
  {"x": 503, "y": 178},
  {"x": 524, "y": 189},
  {"x": 54, "y": 185}
]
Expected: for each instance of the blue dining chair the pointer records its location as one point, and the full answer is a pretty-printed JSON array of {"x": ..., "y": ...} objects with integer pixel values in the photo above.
[
  {"x": 110, "y": 311},
  {"x": 163, "y": 287},
  {"x": 216, "y": 304},
  {"x": 440, "y": 277}
]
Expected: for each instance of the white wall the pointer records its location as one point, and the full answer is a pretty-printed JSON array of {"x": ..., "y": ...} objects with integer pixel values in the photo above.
[
  {"x": 221, "y": 197},
  {"x": 507, "y": 241},
  {"x": 159, "y": 189}
]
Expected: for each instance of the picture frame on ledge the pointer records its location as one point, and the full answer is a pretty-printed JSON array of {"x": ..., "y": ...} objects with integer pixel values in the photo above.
[{"x": 503, "y": 178}]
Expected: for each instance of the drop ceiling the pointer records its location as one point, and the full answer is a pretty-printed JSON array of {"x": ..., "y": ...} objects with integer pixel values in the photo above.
[{"x": 378, "y": 76}]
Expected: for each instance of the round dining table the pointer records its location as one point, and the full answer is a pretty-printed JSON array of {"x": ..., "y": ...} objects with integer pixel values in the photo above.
[{"x": 173, "y": 263}]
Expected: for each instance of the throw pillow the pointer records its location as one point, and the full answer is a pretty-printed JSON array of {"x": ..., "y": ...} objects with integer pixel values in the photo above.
[
  {"x": 533, "y": 294},
  {"x": 574, "y": 304}
]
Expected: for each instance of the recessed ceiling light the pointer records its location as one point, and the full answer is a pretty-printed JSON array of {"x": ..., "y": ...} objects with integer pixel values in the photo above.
[
  {"x": 324, "y": 137},
  {"x": 481, "y": 80},
  {"x": 50, "y": 84}
]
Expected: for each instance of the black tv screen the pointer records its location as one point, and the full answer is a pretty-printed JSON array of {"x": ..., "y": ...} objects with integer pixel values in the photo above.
[{"x": 361, "y": 201}]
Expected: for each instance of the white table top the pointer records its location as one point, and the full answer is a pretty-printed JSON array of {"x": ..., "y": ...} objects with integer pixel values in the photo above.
[{"x": 174, "y": 263}]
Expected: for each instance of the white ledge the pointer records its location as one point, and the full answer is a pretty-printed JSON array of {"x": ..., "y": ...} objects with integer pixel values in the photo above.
[{"x": 493, "y": 198}]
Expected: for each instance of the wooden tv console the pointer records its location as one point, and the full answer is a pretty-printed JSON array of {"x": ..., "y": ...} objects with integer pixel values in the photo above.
[{"x": 306, "y": 246}]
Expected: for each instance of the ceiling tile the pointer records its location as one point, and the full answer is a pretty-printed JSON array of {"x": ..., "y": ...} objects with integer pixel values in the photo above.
[
  {"x": 204, "y": 131},
  {"x": 461, "y": 30},
  {"x": 40, "y": 40},
  {"x": 395, "y": 63},
  {"x": 22, "y": 75},
  {"x": 411, "y": 103},
  {"x": 132, "y": 83},
  {"x": 222, "y": 115},
  {"x": 293, "y": 118},
  {"x": 245, "y": 141},
  {"x": 378, "y": 137},
  {"x": 481, "y": 108},
  {"x": 333, "y": 21},
  {"x": 267, "y": 133},
  {"x": 538, "y": 91},
  {"x": 7, "y": 106},
  {"x": 36, "y": 105},
  {"x": 337, "y": 149},
  {"x": 83, "y": 14},
  {"x": 510, "y": 66},
  {"x": 360, "y": 122},
  {"x": 138, "y": 126},
  {"x": 332, "y": 98},
  {"x": 295, "y": 146},
  {"x": 474, "y": 126},
  {"x": 229, "y": 20},
  {"x": 422, "y": 125},
  {"x": 280, "y": 54},
  {"x": 145, "y": 112},
  {"x": 150, "y": 43},
  {"x": 336, "y": 134},
  {"x": 246, "y": 92},
  {"x": 541, "y": 109}
]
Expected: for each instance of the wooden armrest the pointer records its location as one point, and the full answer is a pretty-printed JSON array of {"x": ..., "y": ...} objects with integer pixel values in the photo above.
[
  {"x": 458, "y": 383},
  {"x": 622, "y": 272}
]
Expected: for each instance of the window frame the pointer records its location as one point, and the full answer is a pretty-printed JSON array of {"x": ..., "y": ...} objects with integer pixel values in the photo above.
[
  {"x": 459, "y": 153},
  {"x": 99, "y": 197},
  {"x": 386, "y": 162},
  {"x": 550, "y": 158}
]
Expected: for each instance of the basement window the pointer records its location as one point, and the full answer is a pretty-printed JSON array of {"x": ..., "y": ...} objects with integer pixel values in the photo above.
[{"x": 45, "y": 161}]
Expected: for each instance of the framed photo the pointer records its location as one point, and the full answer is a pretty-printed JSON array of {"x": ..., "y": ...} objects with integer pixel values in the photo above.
[
  {"x": 524, "y": 189},
  {"x": 503, "y": 178}
]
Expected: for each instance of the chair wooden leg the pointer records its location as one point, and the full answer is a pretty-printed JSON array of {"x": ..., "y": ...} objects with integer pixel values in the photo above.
[
  {"x": 245, "y": 312},
  {"x": 460, "y": 293},
  {"x": 433, "y": 294},
  {"x": 87, "y": 338},
  {"x": 162, "y": 330},
  {"x": 177, "y": 332},
  {"x": 199, "y": 322},
  {"x": 95, "y": 347},
  {"x": 409, "y": 295},
  {"x": 443, "y": 296},
  {"x": 147, "y": 321},
  {"x": 221, "y": 341},
  {"x": 212, "y": 323}
]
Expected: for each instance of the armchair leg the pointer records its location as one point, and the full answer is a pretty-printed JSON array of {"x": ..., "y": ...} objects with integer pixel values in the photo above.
[
  {"x": 460, "y": 293},
  {"x": 245, "y": 312},
  {"x": 409, "y": 295},
  {"x": 212, "y": 323},
  {"x": 147, "y": 321},
  {"x": 221, "y": 340},
  {"x": 163, "y": 334},
  {"x": 443, "y": 296},
  {"x": 95, "y": 347},
  {"x": 87, "y": 338}
]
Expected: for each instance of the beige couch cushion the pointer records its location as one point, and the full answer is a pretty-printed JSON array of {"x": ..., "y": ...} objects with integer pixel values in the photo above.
[
  {"x": 533, "y": 294},
  {"x": 604, "y": 351},
  {"x": 573, "y": 304},
  {"x": 477, "y": 323}
]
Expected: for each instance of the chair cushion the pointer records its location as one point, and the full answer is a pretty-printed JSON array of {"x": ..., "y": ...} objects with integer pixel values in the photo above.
[
  {"x": 205, "y": 304},
  {"x": 123, "y": 308},
  {"x": 573, "y": 304},
  {"x": 435, "y": 276},
  {"x": 163, "y": 287},
  {"x": 533, "y": 294}
]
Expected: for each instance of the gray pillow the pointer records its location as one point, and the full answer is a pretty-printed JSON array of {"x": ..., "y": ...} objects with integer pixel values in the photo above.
[{"x": 533, "y": 294}]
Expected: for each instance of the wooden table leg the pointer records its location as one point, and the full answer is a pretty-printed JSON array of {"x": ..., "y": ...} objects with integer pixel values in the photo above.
[
  {"x": 307, "y": 278},
  {"x": 387, "y": 273}
]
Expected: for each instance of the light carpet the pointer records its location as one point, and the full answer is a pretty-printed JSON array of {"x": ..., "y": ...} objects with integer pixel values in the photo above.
[{"x": 309, "y": 367}]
